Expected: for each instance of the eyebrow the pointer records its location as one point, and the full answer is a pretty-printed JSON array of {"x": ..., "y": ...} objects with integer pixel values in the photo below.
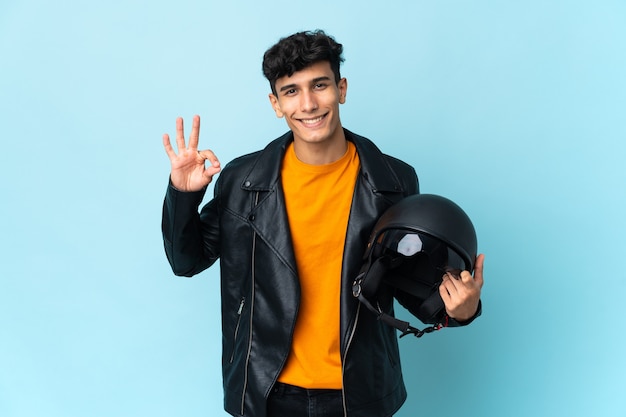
[{"x": 313, "y": 81}]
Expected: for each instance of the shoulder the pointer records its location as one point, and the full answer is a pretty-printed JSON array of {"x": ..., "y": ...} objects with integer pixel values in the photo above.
[
  {"x": 370, "y": 154},
  {"x": 378, "y": 164},
  {"x": 368, "y": 148},
  {"x": 240, "y": 163},
  {"x": 258, "y": 167},
  {"x": 399, "y": 165}
]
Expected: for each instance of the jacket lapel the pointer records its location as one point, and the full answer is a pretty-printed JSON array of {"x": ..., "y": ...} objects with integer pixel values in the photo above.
[{"x": 268, "y": 216}]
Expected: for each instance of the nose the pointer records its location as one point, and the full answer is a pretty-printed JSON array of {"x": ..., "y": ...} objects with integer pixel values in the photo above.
[{"x": 308, "y": 102}]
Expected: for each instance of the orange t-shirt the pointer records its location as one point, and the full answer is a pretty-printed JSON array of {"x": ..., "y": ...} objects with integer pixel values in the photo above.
[{"x": 318, "y": 200}]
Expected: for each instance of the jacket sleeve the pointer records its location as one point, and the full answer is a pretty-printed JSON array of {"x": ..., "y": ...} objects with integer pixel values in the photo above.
[
  {"x": 455, "y": 323},
  {"x": 191, "y": 241}
]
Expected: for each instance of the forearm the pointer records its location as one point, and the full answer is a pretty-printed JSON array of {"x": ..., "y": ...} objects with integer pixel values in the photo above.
[{"x": 183, "y": 233}]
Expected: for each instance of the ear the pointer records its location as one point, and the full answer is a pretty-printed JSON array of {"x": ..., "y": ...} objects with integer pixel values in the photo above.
[
  {"x": 342, "y": 85},
  {"x": 275, "y": 105}
]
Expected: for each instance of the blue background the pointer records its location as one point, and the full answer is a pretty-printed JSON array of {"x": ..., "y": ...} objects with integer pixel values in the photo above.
[{"x": 515, "y": 110}]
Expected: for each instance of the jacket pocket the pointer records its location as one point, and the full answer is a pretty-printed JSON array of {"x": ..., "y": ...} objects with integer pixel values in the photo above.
[{"x": 242, "y": 303}]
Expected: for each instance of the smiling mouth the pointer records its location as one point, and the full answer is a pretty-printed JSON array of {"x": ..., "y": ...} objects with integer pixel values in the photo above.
[{"x": 311, "y": 122}]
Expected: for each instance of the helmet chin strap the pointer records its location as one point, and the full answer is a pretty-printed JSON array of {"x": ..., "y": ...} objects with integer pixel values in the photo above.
[
  {"x": 362, "y": 289},
  {"x": 401, "y": 325}
]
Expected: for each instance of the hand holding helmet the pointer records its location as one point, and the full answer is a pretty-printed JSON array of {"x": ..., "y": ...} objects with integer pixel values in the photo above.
[{"x": 461, "y": 295}]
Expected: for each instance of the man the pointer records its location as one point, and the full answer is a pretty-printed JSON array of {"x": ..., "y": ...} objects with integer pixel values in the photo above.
[{"x": 290, "y": 225}]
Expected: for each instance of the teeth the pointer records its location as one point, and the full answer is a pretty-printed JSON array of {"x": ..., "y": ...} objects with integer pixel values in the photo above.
[{"x": 311, "y": 121}]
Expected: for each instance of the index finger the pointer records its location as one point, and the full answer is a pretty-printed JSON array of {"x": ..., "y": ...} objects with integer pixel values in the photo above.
[{"x": 194, "y": 137}]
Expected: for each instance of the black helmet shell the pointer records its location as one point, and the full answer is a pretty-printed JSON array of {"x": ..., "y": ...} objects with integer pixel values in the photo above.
[{"x": 435, "y": 216}]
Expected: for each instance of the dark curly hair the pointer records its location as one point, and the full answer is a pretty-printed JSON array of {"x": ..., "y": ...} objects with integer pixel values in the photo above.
[{"x": 298, "y": 51}]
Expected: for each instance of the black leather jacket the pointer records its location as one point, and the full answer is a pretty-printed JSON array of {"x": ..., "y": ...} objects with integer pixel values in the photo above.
[{"x": 245, "y": 225}]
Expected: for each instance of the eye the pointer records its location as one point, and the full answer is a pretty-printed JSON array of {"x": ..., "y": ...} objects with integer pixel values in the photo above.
[
  {"x": 320, "y": 86},
  {"x": 290, "y": 92}
]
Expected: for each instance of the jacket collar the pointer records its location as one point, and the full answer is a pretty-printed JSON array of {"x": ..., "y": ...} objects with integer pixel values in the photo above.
[{"x": 265, "y": 172}]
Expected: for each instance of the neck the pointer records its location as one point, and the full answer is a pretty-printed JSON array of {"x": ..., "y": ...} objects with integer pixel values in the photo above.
[{"x": 321, "y": 153}]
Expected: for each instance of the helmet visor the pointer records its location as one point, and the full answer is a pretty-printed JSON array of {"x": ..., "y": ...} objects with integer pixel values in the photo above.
[{"x": 418, "y": 256}]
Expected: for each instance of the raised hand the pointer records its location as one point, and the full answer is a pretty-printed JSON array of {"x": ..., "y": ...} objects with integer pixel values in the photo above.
[{"x": 189, "y": 172}]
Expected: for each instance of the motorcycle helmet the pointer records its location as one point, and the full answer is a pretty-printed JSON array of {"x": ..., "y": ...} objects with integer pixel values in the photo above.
[{"x": 412, "y": 246}]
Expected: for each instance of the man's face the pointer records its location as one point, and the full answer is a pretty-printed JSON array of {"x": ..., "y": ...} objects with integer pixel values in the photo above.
[{"x": 309, "y": 101}]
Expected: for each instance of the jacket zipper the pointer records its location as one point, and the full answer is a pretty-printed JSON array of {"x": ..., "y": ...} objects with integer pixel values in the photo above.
[
  {"x": 239, "y": 311},
  {"x": 343, "y": 362},
  {"x": 252, "y": 285}
]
